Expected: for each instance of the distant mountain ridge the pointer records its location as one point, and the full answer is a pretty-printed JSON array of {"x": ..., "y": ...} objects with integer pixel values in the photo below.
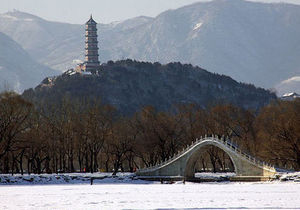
[
  {"x": 130, "y": 85},
  {"x": 18, "y": 71},
  {"x": 252, "y": 42}
]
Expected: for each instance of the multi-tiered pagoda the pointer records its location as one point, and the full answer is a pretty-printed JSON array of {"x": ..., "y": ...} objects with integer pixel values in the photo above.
[{"x": 91, "y": 63}]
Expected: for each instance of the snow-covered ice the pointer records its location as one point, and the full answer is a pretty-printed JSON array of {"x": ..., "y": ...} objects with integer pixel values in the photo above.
[
  {"x": 151, "y": 196},
  {"x": 125, "y": 192}
]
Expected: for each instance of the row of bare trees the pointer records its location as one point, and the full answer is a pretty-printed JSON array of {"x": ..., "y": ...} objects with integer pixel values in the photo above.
[{"x": 86, "y": 136}]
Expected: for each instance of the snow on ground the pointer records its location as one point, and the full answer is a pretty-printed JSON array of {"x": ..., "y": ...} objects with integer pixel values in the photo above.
[
  {"x": 152, "y": 196},
  {"x": 126, "y": 192},
  {"x": 68, "y": 178},
  {"x": 214, "y": 175}
]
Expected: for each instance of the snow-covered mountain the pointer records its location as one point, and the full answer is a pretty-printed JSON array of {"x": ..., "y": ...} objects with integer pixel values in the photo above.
[
  {"x": 58, "y": 45},
  {"x": 252, "y": 42},
  {"x": 18, "y": 70},
  {"x": 50, "y": 43}
]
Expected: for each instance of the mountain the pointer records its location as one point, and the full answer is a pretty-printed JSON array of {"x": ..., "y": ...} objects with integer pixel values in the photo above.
[
  {"x": 129, "y": 85},
  {"x": 18, "y": 70},
  {"x": 252, "y": 42},
  {"x": 50, "y": 43},
  {"x": 57, "y": 45}
]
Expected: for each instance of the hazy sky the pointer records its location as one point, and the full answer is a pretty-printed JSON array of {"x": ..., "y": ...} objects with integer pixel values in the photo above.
[{"x": 104, "y": 11}]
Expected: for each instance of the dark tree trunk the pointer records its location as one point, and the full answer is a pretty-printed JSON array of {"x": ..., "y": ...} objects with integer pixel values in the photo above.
[
  {"x": 107, "y": 163},
  {"x": 91, "y": 161},
  {"x": 21, "y": 161},
  {"x": 80, "y": 162},
  {"x": 13, "y": 163},
  {"x": 28, "y": 166}
]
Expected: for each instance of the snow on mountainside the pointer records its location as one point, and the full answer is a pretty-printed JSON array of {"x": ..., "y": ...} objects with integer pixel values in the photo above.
[
  {"x": 252, "y": 42},
  {"x": 50, "y": 43},
  {"x": 56, "y": 44},
  {"x": 18, "y": 70},
  {"x": 131, "y": 23}
]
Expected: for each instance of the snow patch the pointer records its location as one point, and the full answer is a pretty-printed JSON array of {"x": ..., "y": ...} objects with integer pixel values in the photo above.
[
  {"x": 9, "y": 17},
  {"x": 13, "y": 18},
  {"x": 28, "y": 19},
  {"x": 288, "y": 94},
  {"x": 197, "y": 26},
  {"x": 213, "y": 175},
  {"x": 77, "y": 61}
]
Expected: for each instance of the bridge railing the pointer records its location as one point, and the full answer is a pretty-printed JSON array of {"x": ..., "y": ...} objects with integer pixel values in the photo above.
[
  {"x": 225, "y": 141},
  {"x": 234, "y": 146}
]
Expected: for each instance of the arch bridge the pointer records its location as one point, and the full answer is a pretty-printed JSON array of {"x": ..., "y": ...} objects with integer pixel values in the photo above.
[{"x": 182, "y": 165}]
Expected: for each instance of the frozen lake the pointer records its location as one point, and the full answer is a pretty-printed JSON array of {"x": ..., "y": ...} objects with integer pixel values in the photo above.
[{"x": 152, "y": 196}]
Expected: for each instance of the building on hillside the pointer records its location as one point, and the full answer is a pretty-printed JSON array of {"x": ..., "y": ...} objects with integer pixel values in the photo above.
[
  {"x": 91, "y": 63},
  {"x": 290, "y": 96}
]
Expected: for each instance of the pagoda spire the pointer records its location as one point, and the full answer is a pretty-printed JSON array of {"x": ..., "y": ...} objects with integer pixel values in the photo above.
[{"x": 91, "y": 63}]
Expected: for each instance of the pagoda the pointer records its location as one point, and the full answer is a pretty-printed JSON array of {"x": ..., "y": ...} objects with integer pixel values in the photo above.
[{"x": 91, "y": 63}]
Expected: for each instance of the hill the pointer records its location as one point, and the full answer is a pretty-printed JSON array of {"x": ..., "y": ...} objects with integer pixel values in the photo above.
[
  {"x": 129, "y": 85},
  {"x": 18, "y": 71},
  {"x": 251, "y": 42}
]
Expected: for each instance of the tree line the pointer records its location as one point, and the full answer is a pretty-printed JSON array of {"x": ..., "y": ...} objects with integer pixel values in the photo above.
[{"x": 88, "y": 136}]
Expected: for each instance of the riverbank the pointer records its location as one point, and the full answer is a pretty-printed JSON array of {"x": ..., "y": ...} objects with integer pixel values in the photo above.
[{"x": 108, "y": 178}]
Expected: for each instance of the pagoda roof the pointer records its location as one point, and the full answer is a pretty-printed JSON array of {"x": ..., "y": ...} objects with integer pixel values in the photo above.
[{"x": 91, "y": 21}]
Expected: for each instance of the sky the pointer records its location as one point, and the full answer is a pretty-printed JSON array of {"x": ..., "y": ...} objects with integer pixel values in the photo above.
[{"x": 104, "y": 11}]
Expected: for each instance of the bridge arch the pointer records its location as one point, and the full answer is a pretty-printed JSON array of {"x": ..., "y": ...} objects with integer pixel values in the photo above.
[
  {"x": 200, "y": 149},
  {"x": 182, "y": 164}
]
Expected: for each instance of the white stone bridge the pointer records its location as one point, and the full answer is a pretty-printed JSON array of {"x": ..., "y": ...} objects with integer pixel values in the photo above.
[{"x": 182, "y": 165}]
